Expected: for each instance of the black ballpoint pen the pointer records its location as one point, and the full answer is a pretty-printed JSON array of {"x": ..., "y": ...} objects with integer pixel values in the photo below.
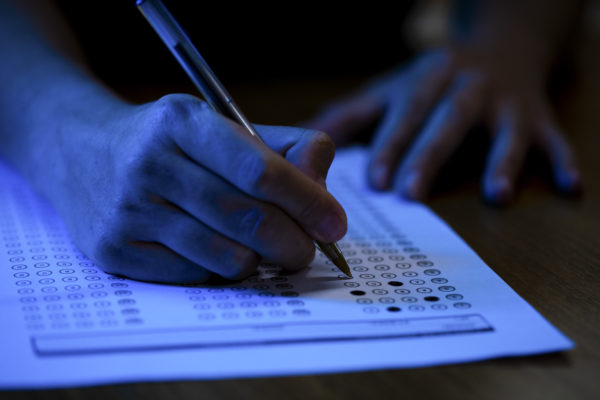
[{"x": 211, "y": 88}]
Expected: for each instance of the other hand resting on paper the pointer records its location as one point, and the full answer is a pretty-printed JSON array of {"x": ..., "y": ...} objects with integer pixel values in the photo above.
[{"x": 494, "y": 71}]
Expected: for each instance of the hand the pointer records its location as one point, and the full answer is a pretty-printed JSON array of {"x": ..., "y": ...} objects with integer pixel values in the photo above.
[
  {"x": 427, "y": 108},
  {"x": 172, "y": 192}
]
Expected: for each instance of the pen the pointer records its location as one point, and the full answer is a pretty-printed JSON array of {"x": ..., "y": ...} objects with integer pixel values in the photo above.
[{"x": 211, "y": 88}]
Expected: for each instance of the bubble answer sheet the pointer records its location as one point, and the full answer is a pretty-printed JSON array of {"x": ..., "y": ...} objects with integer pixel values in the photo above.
[{"x": 420, "y": 296}]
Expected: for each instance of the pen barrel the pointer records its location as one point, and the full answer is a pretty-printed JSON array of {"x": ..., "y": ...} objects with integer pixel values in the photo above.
[
  {"x": 193, "y": 63},
  {"x": 206, "y": 82}
]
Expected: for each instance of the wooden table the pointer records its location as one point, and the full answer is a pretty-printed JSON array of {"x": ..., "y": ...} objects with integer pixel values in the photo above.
[{"x": 545, "y": 246}]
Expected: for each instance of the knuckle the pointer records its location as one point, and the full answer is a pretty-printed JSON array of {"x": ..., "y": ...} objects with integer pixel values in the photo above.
[
  {"x": 139, "y": 159},
  {"x": 139, "y": 168},
  {"x": 260, "y": 173},
  {"x": 124, "y": 207},
  {"x": 209, "y": 120},
  {"x": 174, "y": 107},
  {"x": 166, "y": 118},
  {"x": 148, "y": 165},
  {"x": 168, "y": 114},
  {"x": 256, "y": 223}
]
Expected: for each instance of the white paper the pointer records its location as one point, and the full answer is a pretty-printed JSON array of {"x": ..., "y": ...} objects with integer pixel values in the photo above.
[{"x": 421, "y": 297}]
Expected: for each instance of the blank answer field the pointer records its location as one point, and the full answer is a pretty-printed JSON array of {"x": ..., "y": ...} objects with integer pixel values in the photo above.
[{"x": 252, "y": 335}]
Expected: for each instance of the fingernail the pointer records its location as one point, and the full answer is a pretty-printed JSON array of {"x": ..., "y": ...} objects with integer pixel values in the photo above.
[
  {"x": 569, "y": 181},
  {"x": 412, "y": 186},
  {"x": 332, "y": 227},
  {"x": 500, "y": 190},
  {"x": 379, "y": 176}
]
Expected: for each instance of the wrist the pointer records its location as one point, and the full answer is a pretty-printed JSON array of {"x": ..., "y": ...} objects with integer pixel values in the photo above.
[{"x": 61, "y": 128}]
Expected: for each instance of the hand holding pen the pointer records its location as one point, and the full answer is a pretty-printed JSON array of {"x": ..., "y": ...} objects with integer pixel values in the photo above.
[
  {"x": 267, "y": 180},
  {"x": 168, "y": 191}
]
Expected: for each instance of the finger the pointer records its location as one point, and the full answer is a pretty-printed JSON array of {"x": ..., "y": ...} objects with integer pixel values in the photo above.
[
  {"x": 224, "y": 148},
  {"x": 343, "y": 119},
  {"x": 217, "y": 204},
  {"x": 152, "y": 262},
  {"x": 506, "y": 158},
  {"x": 404, "y": 115},
  {"x": 308, "y": 150},
  {"x": 206, "y": 247},
  {"x": 440, "y": 136},
  {"x": 171, "y": 232},
  {"x": 562, "y": 158}
]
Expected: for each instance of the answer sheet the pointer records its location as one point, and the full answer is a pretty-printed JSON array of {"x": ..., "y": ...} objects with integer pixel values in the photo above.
[{"x": 420, "y": 296}]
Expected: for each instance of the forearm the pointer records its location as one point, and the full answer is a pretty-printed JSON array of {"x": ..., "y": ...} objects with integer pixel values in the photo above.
[{"x": 45, "y": 98}]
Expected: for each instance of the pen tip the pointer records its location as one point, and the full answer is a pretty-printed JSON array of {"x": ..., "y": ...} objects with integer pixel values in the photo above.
[
  {"x": 333, "y": 253},
  {"x": 342, "y": 265}
]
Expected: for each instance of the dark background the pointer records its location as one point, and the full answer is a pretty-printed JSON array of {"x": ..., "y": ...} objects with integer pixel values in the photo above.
[{"x": 242, "y": 41}]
